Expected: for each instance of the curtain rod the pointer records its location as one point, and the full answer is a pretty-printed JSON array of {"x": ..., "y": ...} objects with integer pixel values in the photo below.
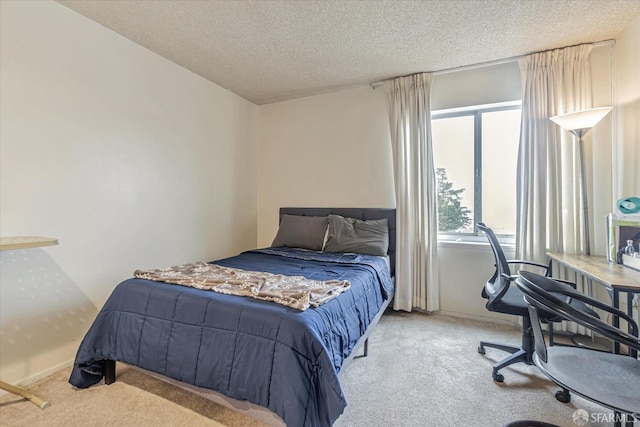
[{"x": 375, "y": 84}]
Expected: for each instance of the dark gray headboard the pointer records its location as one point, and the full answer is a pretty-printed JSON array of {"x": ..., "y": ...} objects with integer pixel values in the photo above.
[{"x": 357, "y": 213}]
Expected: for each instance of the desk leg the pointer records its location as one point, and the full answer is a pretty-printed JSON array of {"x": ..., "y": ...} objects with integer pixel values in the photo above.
[
  {"x": 632, "y": 352},
  {"x": 24, "y": 393},
  {"x": 616, "y": 319}
]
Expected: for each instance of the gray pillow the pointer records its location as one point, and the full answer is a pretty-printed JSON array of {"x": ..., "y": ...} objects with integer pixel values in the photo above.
[
  {"x": 306, "y": 232},
  {"x": 369, "y": 237}
]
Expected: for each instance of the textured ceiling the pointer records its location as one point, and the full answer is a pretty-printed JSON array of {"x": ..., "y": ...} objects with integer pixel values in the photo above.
[{"x": 273, "y": 50}]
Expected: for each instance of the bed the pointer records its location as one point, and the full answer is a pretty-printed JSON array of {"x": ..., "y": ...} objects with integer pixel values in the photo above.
[{"x": 278, "y": 357}]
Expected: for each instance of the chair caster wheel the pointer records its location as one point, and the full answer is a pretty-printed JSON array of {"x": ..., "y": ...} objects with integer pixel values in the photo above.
[
  {"x": 563, "y": 396},
  {"x": 481, "y": 350},
  {"x": 499, "y": 377}
]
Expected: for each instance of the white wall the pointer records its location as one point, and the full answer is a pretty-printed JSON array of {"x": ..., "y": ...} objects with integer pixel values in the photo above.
[
  {"x": 463, "y": 270},
  {"x": 477, "y": 86},
  {"x": 323, "y": 151},
  {"x": 128, "y": 159}
]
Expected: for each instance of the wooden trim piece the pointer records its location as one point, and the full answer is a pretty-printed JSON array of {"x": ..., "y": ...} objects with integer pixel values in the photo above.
[
  {"x": 42, "y": 404},
  {"x": 25, "y": 242}
]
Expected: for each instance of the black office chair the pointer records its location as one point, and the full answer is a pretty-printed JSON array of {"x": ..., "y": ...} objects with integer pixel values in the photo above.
[
  {"x": 504, "y": 298},
  {"x": 611, "y": 380}
]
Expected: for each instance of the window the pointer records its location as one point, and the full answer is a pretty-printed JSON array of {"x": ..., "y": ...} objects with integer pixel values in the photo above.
[{"x": 475, "y": 154}]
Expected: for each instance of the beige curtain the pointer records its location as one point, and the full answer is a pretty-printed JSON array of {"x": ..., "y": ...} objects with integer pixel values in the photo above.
[
  {"x": 549, "y": 197},
  {"x": 417, "y": 224},
  {"x": 549, "y": 201}
]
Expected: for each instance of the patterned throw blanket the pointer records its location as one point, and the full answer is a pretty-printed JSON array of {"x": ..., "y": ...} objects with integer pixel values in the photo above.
[{"x": 293, "y": 291}]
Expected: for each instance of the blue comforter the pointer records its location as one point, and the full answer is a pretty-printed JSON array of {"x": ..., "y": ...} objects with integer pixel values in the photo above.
[{"x": 274, "y": 356}]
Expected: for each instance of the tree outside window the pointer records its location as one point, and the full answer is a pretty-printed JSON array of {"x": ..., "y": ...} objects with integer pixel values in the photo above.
[{"x": 452, "y": 216}]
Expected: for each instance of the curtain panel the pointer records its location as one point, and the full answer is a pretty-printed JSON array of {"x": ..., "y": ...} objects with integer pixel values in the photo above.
[
  {"x": 549, "y": 199},
  {"x": 408, "y": 102}
]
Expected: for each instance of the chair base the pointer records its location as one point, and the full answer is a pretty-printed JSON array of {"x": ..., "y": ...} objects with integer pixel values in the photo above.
[
  {"x": 517, "y": 355},
  {"x": 563, "y": 396}
]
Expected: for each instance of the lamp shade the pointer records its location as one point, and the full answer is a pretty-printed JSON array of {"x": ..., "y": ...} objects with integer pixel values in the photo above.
[{"x": 581, "y": 122}]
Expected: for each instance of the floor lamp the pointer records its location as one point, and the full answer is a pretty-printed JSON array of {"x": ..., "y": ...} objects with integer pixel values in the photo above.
[{"x": 579, "y": 124}]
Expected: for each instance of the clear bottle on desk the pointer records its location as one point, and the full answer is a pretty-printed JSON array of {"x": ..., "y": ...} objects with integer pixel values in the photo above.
[{"x": 629, "y": 249}]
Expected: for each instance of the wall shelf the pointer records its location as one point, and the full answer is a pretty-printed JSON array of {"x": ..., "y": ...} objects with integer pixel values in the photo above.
[{"x": 25, "y": 242}]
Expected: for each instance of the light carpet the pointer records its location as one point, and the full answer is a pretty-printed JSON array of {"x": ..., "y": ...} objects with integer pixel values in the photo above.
[{"x": 422, "y": 370}]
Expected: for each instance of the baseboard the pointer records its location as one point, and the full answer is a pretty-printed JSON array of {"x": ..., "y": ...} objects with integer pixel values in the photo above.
[
  {"x": 479, "y": 318},
  {"x": 40, "y": 375}
]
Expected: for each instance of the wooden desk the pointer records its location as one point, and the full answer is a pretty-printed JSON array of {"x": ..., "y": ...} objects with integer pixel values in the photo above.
[{"x": 615, "y": 277}]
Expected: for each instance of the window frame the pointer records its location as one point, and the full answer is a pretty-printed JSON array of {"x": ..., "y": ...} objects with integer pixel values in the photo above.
[{"x": 476, "y": 112}]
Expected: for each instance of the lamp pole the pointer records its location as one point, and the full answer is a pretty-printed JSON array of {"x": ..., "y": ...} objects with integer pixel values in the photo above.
[{"x": 585, "y": 202}]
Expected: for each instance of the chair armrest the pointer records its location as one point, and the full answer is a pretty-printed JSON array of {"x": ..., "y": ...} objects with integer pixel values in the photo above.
[{"x": 525, "y": 262}]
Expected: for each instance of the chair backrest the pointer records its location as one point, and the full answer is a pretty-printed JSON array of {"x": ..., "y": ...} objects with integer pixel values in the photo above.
[
  {"x": 498, "y": 284},
  {"x": 538, "y": 294}
]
